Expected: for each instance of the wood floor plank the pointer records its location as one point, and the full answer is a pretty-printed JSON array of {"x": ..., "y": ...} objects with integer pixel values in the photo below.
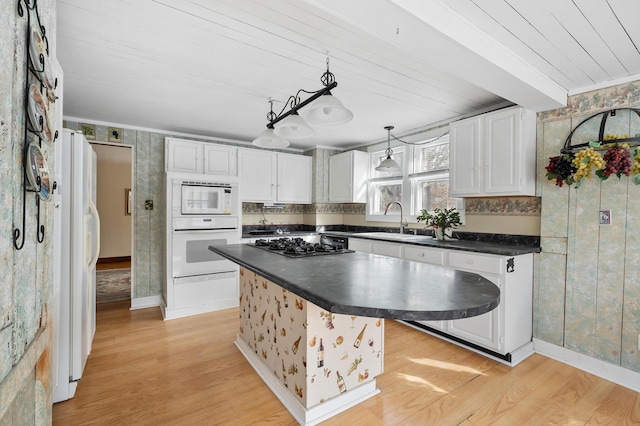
[{"x": 146, "y": 371}]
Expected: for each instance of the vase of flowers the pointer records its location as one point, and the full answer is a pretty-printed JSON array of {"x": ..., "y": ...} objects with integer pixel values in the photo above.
[{"x": 440, "y": 221}]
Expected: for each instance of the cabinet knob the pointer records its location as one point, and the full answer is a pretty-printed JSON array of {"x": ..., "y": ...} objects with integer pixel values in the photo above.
[
  {"x": 470, "y": 262},
  {"x": 422, "y": 254}
]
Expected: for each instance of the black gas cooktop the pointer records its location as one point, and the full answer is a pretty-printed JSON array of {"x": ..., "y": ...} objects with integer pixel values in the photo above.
[{"x": 298, "y": 247}]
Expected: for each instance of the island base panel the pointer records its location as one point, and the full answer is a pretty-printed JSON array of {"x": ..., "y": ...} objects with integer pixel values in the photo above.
[
  {"x": 316, "y": 355},
  {"x": 305, "y": 416}
]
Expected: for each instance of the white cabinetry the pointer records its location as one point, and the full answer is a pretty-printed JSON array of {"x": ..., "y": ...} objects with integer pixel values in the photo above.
[
  {"x": 348, "y": 177},
  {"x": 200, "y": 157},
  {"x": 493, "y": 154},
  {"x": 220, "y": 159},
  {"x": 504, "y": 329},
  {"x": 269, "y": 177}
]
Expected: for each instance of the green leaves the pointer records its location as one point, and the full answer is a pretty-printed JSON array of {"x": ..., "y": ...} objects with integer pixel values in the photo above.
[{"x": 447, "y": 218}]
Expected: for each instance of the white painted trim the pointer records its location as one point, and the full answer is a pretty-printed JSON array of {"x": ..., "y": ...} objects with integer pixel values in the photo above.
[
  {"x": 200, "y": 138},
  {"x": 604, "y": 84},
  {"x": 317, "y": 413},
  {"x": 613, "y": 373},
  {"x": 173, "y": 313},
  {"x": 146, "y": 302}
]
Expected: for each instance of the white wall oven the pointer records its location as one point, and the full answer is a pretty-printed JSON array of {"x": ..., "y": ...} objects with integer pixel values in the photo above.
[
  {"x": 191, "y": 239},
  {"x": 202, "y": 213}
]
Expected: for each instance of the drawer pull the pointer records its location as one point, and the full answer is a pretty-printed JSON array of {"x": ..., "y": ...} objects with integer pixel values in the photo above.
[{"x": 470, "y": 262}]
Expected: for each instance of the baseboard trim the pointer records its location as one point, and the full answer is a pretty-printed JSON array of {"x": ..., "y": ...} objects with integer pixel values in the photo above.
[
  {"x": 614, "y": 373},
  {"x": 317, "y": 413},
  {"x": 146, "y": 302},
  {"x": 173, "y": 313}
]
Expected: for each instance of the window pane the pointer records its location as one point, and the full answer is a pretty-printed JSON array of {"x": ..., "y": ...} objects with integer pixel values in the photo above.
[
  {"x": 384, "y": 194},
  {"x": 431, "y": 157},
  {"x": 435, "y": 193}
]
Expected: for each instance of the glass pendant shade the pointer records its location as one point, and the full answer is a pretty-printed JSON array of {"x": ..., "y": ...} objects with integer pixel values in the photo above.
[
  {"x": 388, "y": 165},
  {"x": 327, "y": 110},
  {"x": 293, "y": 127},
  {"x": 268, "y": 139}
]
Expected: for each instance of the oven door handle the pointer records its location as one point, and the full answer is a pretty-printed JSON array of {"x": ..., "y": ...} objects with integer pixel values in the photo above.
[{"x": 205, "y": 231}]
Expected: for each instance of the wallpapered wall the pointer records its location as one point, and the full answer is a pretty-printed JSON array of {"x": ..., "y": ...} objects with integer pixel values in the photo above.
[
  {"x": 587, "y": 288},
  {"x": 25, "y": 286}
]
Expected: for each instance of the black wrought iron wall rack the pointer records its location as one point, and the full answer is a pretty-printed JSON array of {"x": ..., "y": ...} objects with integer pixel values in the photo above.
[
  {"x": 36, "y": 72},
  {"x": 601, "y": 141}
]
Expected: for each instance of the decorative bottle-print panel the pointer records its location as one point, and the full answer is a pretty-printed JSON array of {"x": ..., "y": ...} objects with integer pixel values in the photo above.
[{"x": 317, "y": 355}]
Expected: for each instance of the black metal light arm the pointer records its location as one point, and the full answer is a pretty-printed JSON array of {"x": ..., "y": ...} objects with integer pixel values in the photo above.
[{"x": 296, "y": 104}]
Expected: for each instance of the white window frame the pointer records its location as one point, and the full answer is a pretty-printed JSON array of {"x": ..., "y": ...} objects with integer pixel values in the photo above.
[{"x": 411, "y": 185}]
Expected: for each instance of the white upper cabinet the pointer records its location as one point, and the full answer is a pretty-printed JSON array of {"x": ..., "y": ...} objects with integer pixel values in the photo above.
[
  {"x": 269, "y": 177},
  {"x": 200, "y": 157},
  {"x": 294, "y": 179},
  {"x": 493, "y": 154},
  {"x": 348, "y": 177},
  {"x": 258, "y": 175},
  {"x": 220, "y": 160},
  {"x": 183, "y": 156}
]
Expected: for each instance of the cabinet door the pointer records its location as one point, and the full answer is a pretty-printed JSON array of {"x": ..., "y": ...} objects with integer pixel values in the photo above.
[
  {"x": 257, "y": 175},
  {"x": 433, "y": 257},
  {"x": 484, "y": 329},
  {"x": 357, "y": 244},
  {"x": 464, "y": 157},
  {"x": 348, "y": 177},
  {"x": 220, "y": 160},
  {"x": 387, "y": 249},
  {"x": 501, "y": 152},
  {"x": 340, "y": 173},
  {"x": 294, "y": 179},
  {"x": 184, "y": 156}
]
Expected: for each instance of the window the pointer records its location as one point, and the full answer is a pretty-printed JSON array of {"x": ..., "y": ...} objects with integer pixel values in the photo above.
[
  {"x": 423, "y": 182},
  {"x": 430, "y": 177}
]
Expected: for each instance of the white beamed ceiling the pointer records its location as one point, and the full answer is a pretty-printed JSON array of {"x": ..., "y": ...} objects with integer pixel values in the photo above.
[{"x": 208, "y": 67}]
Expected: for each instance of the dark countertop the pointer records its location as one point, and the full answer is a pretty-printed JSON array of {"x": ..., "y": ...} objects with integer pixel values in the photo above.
[
  {"x": 463, "y": 245},
  {"x": 273, "y": 234},
  {"x": 370, "y": 285}
]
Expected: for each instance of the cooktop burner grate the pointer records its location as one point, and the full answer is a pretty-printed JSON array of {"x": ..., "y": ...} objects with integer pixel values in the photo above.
[{"x": 297, "y": 247}]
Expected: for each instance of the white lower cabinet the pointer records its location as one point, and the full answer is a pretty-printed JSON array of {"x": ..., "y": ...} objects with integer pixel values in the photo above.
[{"x": 502, "y": 330}]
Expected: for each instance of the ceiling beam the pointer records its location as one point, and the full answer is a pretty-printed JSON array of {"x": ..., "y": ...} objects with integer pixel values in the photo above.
[{"x": 430, "y": 31}]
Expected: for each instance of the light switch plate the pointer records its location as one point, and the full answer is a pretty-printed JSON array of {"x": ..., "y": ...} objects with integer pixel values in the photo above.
[{"x": 604, "y": 217}]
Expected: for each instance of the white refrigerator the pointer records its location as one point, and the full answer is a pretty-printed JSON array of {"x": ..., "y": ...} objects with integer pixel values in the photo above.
[{"x": 76, "y": 246}]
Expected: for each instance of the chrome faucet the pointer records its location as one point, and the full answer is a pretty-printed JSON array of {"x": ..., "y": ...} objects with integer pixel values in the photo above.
[{"x": 403, "y": 223}]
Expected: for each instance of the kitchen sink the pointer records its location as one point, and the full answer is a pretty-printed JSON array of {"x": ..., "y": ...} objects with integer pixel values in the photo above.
[{"x": 393, "y": 236}]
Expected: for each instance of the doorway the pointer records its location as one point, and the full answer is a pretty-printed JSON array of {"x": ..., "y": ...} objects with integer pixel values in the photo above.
[{"x": 114, "y": 197}]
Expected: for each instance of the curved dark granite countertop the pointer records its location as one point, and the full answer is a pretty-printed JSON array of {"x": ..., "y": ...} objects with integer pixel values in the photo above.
[
  {"x": 463, "y": 245},
  {"x": 370, "y": 285}
]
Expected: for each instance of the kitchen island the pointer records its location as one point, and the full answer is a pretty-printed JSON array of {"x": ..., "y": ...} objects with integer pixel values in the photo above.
[{"x": 313, "y": 327}]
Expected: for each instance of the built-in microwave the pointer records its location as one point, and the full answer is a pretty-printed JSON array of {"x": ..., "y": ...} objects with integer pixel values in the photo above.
[{"x": 203, "y": 198}]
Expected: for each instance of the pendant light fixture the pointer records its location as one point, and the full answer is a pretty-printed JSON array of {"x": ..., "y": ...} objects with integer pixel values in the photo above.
[
  {"x": 293, "y": 127},
  {"x": 268, "y": 138},
  {"x": 388, "y": 164},
  {"x": 327, "y": 110},
  {"x": 321, "y": 108}
]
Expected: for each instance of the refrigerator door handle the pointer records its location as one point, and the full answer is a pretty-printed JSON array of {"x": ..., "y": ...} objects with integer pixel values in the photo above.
[{"x": 96, "y": 232}]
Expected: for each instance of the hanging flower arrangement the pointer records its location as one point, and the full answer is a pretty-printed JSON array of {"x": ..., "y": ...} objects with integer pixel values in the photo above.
[{"x": 576, "y": 167}]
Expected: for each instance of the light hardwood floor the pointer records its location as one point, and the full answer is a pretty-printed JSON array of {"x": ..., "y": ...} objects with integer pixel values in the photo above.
[{"x": 144, "y": 371}]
